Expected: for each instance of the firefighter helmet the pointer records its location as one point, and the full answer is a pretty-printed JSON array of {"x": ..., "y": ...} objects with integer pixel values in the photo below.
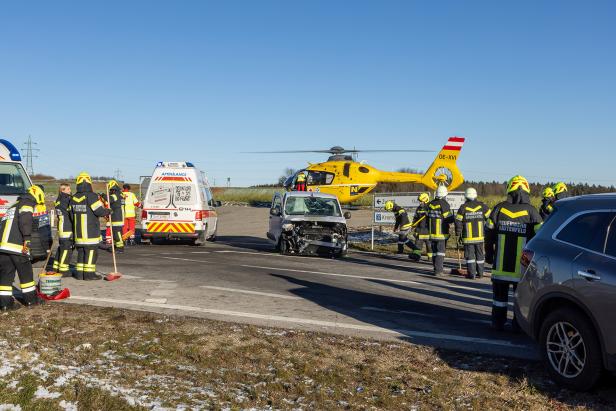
[
  {"x": 441, "y": 192},
  {"x": 83, "y": 178},
  {"x": 548, "y": 192},
  {"x": 389, "y": 205},
  {"x": 112, "y": 183},
  {"x": 559, "y": 187},
  {"x": 424, "y": 198},
  {"x": 470, "y": 194},
  {"x": 516, "y": 183},
  {"x": 38, "y": 194}
]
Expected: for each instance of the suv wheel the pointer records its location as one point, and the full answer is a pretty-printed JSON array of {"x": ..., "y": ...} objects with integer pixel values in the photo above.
[{"x": 570, "y": 349}]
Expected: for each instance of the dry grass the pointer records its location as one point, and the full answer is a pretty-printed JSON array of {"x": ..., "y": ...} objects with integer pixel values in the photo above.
[{"x": 111, "y": 359}]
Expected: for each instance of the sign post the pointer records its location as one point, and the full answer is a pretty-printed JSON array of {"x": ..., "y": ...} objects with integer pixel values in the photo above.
[{"x": 409, "y": 201}]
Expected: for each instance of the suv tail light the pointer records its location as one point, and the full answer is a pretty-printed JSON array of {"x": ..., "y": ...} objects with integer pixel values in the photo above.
[
  {"x": 199, "y": 215},
  {"x": 144, "y": 215},
  {"x": 526, "y": 258}
]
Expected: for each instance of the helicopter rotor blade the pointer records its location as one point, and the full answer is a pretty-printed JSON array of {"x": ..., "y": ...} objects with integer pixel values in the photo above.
[{"x": 337, "y": 152}]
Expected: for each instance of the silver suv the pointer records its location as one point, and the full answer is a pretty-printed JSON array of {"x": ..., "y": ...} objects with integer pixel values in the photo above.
[{"x": 567, "y": 297}]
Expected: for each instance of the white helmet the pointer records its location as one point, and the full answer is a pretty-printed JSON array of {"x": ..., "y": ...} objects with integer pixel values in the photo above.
[
  {"x": 470, "y": 194},
  {"x": 441, "y": 192}
]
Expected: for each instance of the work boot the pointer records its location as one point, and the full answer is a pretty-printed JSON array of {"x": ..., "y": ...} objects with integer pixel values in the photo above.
[
  {"x": 400, "y": 249},
  {"x": 31, "y": 301},
  {"x": 497, "y": 326},
  {"x": 120, "y": 250},
  {"x": 11, "y": 306},
  {"x": 471, "y": 276},
  {"x": 92, "y": 277},
  {"x": 414, "y": 257}
]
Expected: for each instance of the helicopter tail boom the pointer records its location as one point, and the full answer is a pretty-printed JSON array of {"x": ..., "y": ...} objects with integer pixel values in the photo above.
[{"x": 444, "y": 170}]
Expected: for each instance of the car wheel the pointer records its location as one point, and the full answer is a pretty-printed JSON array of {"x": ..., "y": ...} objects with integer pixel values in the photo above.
[
  {"x": 282, "y": 247},
  {"x": 570, "y": 349}
]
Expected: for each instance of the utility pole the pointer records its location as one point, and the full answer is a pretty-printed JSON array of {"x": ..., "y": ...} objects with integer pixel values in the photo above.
[
  {"x": 117, "y": 174},
  {"x": 30, "y": 149}
]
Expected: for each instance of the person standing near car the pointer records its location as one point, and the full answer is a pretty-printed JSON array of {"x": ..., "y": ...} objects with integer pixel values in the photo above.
[
  {"x": 402, "y": 227},
  {"x": 470, "y": 224},
  {"x": 511, "y": 225},
  {"x": 440, "y": 218},
  {"x": 65, "y": 231},
  {"x": 420, "y": 224},
  {"x": 546, "y": 203},
  {"x": 131, "y": 203}
]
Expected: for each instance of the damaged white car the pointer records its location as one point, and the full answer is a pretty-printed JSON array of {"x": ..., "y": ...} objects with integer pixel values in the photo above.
[{"x": 308, "y": 223}]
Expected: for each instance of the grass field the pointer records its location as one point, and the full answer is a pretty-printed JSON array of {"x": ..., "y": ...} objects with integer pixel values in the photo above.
[{"x": 63, "y": 356}]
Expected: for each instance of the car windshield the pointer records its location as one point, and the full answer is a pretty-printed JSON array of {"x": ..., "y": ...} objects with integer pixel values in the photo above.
[
  {"x": 312, "y": 206},
  {"x": 13, "y": 179}
]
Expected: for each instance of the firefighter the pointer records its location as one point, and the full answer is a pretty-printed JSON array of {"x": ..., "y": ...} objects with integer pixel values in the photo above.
[
  {"x": 65, "y": 231},
  {"x": 116, "y": 221},
  {"x": 560, "y": 191},
  {"x": 546, "y": 203},
  {"x": 420, "y": 224},
  {"x": 16, "y": 229},
  {"x": 403, "y": 227},
  {"x": 439, "y": 219},
  {"x": 300, "y": 183},
  {"x": 131, "y": 202},
  {"x": 470, "y": 224},
  {"x": 511, "y": 224},
  {"x": 86, "y": 208}
]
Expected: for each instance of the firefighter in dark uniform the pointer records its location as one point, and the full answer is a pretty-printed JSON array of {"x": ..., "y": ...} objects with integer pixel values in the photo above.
[
  {"x": 86, "y": 209},
  {"x": 420, "y": 224},
  {"x": 403, "y": 227},
  {"x": 16, "y": 229},
  {"x": 439, "y": 219},
  {"x": 560, "y": 191},
  {"x": 470, "y": 225},
  {"x": 65, "y": 231},
  {"x": 546, "y": 203},
  {"x": 511, "y": 225},
  {"x": 116, "y": 203}
]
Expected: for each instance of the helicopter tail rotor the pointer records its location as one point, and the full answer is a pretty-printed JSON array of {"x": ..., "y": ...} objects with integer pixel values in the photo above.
[{"x": 444, "y": 170}]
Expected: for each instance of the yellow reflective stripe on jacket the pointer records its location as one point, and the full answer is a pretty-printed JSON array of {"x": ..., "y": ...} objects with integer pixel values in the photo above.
[
  {"x": 17, "y": 248},
  {"x": 514, "y": 214},
  {"x": 96, "y": 205},
  {"x": 472, "y": 210},
  {"x": 26, "y": 209},
  {"x": 460, "y": 217}
]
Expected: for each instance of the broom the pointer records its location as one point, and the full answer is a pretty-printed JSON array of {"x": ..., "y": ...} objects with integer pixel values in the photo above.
[
  {"x": 115, "y": 275},
  {"x": 459, "y": 271}
]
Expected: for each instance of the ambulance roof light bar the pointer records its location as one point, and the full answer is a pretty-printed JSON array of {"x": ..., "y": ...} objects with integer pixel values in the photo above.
[
  {"x": 13, "y": 152},
  {"x": 175, "y": 164}
]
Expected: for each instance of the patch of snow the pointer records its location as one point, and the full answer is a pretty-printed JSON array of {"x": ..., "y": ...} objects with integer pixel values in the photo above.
[
  {"x": 10, "y": 407},
  {"x": 84, "y": 346},
  {"x": 68, "y": 406},
  {"x": 42, "y": 392}
]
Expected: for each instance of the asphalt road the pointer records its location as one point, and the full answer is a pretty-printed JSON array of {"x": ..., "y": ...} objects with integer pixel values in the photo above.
[{"x": 239, "y": 278}]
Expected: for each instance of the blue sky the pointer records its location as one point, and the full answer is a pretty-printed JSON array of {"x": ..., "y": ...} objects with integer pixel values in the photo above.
[{"x": 121, "y": 85}]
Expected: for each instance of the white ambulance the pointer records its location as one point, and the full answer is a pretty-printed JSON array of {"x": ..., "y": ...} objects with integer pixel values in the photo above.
[
  {"x": 14, "y": 181},
  {"x": 178, "y": 204}
]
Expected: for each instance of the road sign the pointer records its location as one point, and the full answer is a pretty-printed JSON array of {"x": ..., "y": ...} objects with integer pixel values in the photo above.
[{"x": 409, "y": 201}]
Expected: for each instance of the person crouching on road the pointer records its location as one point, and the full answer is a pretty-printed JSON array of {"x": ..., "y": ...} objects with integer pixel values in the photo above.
[
  {"x": 420, "y": 224},
  {"x": 547, "y": 203},
  {"x": 65, "y": 231},
  {"x": 403, "y": 227},
  {"x": 86, "y": 208},
  {"x": 439, "y": 218},
  {"x": 131, "y": 202},
  {"x": 470, "y": 225},
  {"x": 116, "y": 204},
  {"x": 510, "y": 226},
  {"x": 16, "y": 230}
]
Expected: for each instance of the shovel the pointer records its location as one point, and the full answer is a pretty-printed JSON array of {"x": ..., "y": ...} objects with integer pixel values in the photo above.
[{"x": 115, "y": 275}]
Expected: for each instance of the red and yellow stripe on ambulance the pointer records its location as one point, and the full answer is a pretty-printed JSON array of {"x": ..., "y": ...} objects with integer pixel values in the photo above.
[{"x": 165, "y": 227}]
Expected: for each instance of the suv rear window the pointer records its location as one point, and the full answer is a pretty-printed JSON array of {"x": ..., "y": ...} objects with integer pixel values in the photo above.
[{"x": 587, "y": 230}]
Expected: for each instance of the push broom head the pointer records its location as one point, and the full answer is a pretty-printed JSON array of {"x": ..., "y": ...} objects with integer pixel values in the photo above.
[
  {"x": 459, "y": 271},
  {"x": 113, "y": 276}
]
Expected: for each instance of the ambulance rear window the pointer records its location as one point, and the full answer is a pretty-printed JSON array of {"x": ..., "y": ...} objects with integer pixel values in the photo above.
[{"x": 13, "y": 179}]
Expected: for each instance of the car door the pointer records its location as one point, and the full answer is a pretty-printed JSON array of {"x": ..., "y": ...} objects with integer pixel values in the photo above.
[
  {"x": 594, "y": 270},
  {"x": 275, "y": 218}
]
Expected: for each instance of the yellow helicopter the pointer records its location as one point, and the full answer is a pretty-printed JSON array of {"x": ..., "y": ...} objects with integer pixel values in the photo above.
[{"x": 350, "y": 180}]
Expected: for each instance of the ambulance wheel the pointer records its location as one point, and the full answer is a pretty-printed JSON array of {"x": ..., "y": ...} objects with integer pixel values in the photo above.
[{"x": 200, "y": 241}]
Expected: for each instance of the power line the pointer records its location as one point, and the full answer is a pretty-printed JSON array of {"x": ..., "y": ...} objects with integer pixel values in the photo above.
[{"x": 30, "y": 149}]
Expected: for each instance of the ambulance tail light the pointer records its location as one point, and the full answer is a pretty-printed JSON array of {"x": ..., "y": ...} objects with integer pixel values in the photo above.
[
  {"x": 199, "y": 215},
  {"x": 144, "y": 215}
]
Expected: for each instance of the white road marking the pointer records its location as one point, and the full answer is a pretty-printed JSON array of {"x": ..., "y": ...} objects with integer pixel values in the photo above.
[
  {"x": 361, "y": 277},
  {"x": 156, "y": 281},
  {"x": 130, "y": 277},
  {"x": 156, "y": 300},
  {"x": 305, "y": 321},
  {"x": 236, "y": 290},
  {"x": 185, "y": 259},
  {"x": 200, "y": 252},
  {"x": 247, "y": 252}
]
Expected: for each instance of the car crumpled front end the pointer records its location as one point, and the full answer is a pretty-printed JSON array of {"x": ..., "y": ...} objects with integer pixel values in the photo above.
[{"x": 314, "y": 238}]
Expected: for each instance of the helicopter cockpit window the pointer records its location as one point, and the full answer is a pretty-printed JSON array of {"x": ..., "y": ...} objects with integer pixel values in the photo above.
[
  {"x": 363, "y": 169},
  {"x": 320, "y": 178}
]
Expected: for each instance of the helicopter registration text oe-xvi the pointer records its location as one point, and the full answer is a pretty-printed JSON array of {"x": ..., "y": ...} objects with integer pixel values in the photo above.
[{"x": 350, "y": 180}]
